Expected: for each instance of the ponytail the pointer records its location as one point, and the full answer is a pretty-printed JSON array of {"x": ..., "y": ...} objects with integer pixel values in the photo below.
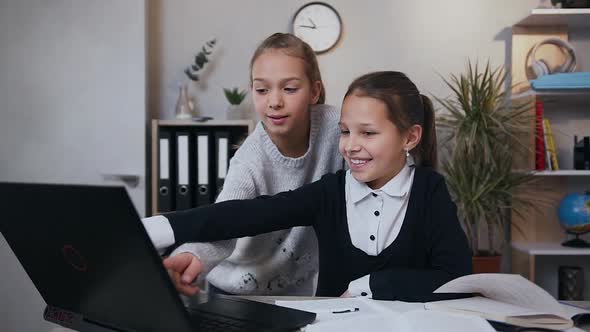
[
  {"x": 426, "y": 149},
  {"x": 406, "y": 107}
]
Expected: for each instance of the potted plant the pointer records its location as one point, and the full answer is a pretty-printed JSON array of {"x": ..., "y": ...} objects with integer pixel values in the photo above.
[
  {"x": 235, "y": 97},
  {"x": 480, "y": 129}
]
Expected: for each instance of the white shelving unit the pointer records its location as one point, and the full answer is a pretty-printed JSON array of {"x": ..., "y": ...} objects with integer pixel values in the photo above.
[{"x": 538, "y": 233}]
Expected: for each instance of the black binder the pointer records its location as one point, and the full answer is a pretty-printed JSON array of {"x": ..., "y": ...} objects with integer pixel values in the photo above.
[
  {"x": 184, "y": 153},
  {"x": 165, "y": 151},
  {"x": 203, "y": 190},
  {"x": 222, "y": 154}
]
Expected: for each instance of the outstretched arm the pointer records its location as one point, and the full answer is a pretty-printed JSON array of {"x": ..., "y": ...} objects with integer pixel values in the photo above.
[{"x": 239, "y": 218}]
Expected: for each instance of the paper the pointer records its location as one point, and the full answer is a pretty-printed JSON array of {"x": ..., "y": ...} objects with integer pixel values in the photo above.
[
  {"x": 505, "y": 298},
  {"x": 324, "y": 308},
  {"x": 384, "y": 316},
  {"x": 506, "y": 288}
]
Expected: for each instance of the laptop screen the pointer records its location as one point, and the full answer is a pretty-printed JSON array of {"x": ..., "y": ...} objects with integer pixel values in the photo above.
[{"x": 85, "y": 250}]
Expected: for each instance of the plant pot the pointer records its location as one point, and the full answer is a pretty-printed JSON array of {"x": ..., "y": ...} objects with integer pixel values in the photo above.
[
  {"x": 235, "y": 112},
  {"x": 486, "y": 264}
]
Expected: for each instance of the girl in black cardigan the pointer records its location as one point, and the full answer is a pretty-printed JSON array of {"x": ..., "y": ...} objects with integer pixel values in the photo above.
[{"x": 387, "y": 129}]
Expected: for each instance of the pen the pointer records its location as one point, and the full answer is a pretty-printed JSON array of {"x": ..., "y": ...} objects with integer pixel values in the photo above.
[{"x": 344, "y": 310}]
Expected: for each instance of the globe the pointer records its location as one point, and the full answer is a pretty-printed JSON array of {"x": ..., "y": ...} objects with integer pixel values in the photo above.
[{"x": 574, "y": 216}]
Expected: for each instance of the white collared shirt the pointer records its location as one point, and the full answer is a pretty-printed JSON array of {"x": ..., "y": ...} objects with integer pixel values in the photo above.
[{"x": 375, "y": 217}]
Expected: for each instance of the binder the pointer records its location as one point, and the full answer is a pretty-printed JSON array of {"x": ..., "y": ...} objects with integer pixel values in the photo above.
[
  {"x": 164, "y": 180},
  {"x": 221, "y": 158},
  {"x": 183, "y": 152},
  {"x": 203, "y": 188}
]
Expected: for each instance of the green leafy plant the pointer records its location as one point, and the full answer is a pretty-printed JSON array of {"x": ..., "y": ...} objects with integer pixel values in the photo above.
[
  {"x": 201, "y": 59},
  {"x": 234, "y": 96},
  {"x": 481, "y": 129}
]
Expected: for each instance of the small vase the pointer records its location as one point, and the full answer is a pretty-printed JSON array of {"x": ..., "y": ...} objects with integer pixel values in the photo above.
[
  {"x": 235, "y": 112},
  {"x": 183, "y": 109}
]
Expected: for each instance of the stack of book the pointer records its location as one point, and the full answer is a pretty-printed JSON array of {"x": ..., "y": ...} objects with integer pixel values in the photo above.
[{"x": 545, "y": 154}]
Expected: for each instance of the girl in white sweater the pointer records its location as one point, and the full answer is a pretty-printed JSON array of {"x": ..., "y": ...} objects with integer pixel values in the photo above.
[{"x": 295, "y": 143}]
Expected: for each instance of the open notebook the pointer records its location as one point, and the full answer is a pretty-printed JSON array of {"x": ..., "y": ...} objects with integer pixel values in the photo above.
[{"x": 507, "y": 298}]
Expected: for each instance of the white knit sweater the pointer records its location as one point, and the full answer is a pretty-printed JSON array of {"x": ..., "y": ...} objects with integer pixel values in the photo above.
[{"x": 283, "y": 262}]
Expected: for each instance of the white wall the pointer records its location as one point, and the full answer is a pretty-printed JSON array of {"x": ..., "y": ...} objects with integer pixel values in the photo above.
[
  {"x": 72, "y": 110},
  {"x": 421, "y": 38}
]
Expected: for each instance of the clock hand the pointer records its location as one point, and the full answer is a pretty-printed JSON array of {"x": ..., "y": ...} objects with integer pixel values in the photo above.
[
  {"x": 307, "y": 26},
  {"x": 311, "y": 21}
]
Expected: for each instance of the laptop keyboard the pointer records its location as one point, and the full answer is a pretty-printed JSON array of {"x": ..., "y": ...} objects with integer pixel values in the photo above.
[{"x": 211, "y": 323}]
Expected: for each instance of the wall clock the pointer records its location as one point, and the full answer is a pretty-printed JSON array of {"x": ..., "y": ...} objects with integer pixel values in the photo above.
[{"x": 319, "y": 25}]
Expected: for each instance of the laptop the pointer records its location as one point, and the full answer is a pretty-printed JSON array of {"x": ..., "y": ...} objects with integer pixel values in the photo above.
[{"x": 88, "y": 255}]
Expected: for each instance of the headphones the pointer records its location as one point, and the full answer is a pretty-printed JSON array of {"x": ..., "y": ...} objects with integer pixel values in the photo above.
[{"x": 540, "y": 67}]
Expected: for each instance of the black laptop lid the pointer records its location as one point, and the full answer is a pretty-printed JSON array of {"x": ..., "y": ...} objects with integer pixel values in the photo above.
[{"x": 80, "y": 245}]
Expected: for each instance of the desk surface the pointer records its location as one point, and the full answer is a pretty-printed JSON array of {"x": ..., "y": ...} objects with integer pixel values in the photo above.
[{"x": 272, "y": 299}]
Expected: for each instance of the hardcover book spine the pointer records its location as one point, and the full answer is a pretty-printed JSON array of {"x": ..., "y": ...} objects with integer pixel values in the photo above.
[{"x": 539, "y": 141}]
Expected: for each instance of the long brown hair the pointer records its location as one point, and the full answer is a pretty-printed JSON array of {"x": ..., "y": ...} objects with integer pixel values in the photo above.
[
  {"x": 293, "y": 46},
  {"x": 406, "y": 107}
]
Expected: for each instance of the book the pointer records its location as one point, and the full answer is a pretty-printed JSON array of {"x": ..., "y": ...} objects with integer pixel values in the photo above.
[
  {"x": 539, "y": 141},
  {"x": 548, "y": 164},
  {"x": 550, "y": 144},
  {"x": 507, "y": 298},
  {"x": 359, "y": 314}
]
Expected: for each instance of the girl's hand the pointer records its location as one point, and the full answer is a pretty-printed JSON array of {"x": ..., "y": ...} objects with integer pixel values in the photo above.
[
  {"x": 184, "y": 269},
  {"x": 346, "y": 294}
]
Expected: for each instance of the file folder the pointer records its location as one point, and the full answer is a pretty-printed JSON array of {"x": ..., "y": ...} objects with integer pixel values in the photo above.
[
  {"x": 203, "y": 190},
  {"x": 222, "y": 158},
  {"x": 164, "y": 181},
  {"x": 183, "y": 152}
]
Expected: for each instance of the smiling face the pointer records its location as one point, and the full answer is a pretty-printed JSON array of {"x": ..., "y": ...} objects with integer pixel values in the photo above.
[
  {"x": 282, "y": 93},
  {"x": 370, "y": 143}
]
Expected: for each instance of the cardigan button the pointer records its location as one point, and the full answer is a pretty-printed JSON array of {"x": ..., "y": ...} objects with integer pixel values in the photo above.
[
  {"x": 376, "y": 213},
  {"x": 372, "y": 237},
  {"x": 374, "y": 195},
  {"x": 364, "y": 294}
]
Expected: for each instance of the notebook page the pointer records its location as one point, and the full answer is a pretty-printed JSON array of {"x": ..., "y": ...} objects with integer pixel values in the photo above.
[{"x": 507, "y": 288}]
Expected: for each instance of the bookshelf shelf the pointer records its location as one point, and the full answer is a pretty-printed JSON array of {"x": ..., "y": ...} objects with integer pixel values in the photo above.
[
  {"x": 549, "y": 249},
  {"x": 572, "y": 172},
  {"x": 571, "y": 17},
  {"x": 573, "y": 97}
]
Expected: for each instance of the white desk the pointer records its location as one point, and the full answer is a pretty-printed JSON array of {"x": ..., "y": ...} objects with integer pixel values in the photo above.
[{"x": 394, "y": 305}]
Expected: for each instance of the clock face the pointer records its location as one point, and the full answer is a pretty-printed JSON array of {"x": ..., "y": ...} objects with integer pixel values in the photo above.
[{"x": 319, "y": 25}]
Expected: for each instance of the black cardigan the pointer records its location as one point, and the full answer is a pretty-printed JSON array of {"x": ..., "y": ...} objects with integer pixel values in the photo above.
[{"x": 430, "y": 249}]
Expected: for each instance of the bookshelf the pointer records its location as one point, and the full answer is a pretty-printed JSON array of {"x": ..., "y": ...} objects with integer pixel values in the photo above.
[
  {"x": 539, "y": 233},
  {"x": 237, "y": 130}
]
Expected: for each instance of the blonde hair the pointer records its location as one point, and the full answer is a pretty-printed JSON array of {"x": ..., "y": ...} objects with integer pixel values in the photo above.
[{"x": 295, "y": 47}]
